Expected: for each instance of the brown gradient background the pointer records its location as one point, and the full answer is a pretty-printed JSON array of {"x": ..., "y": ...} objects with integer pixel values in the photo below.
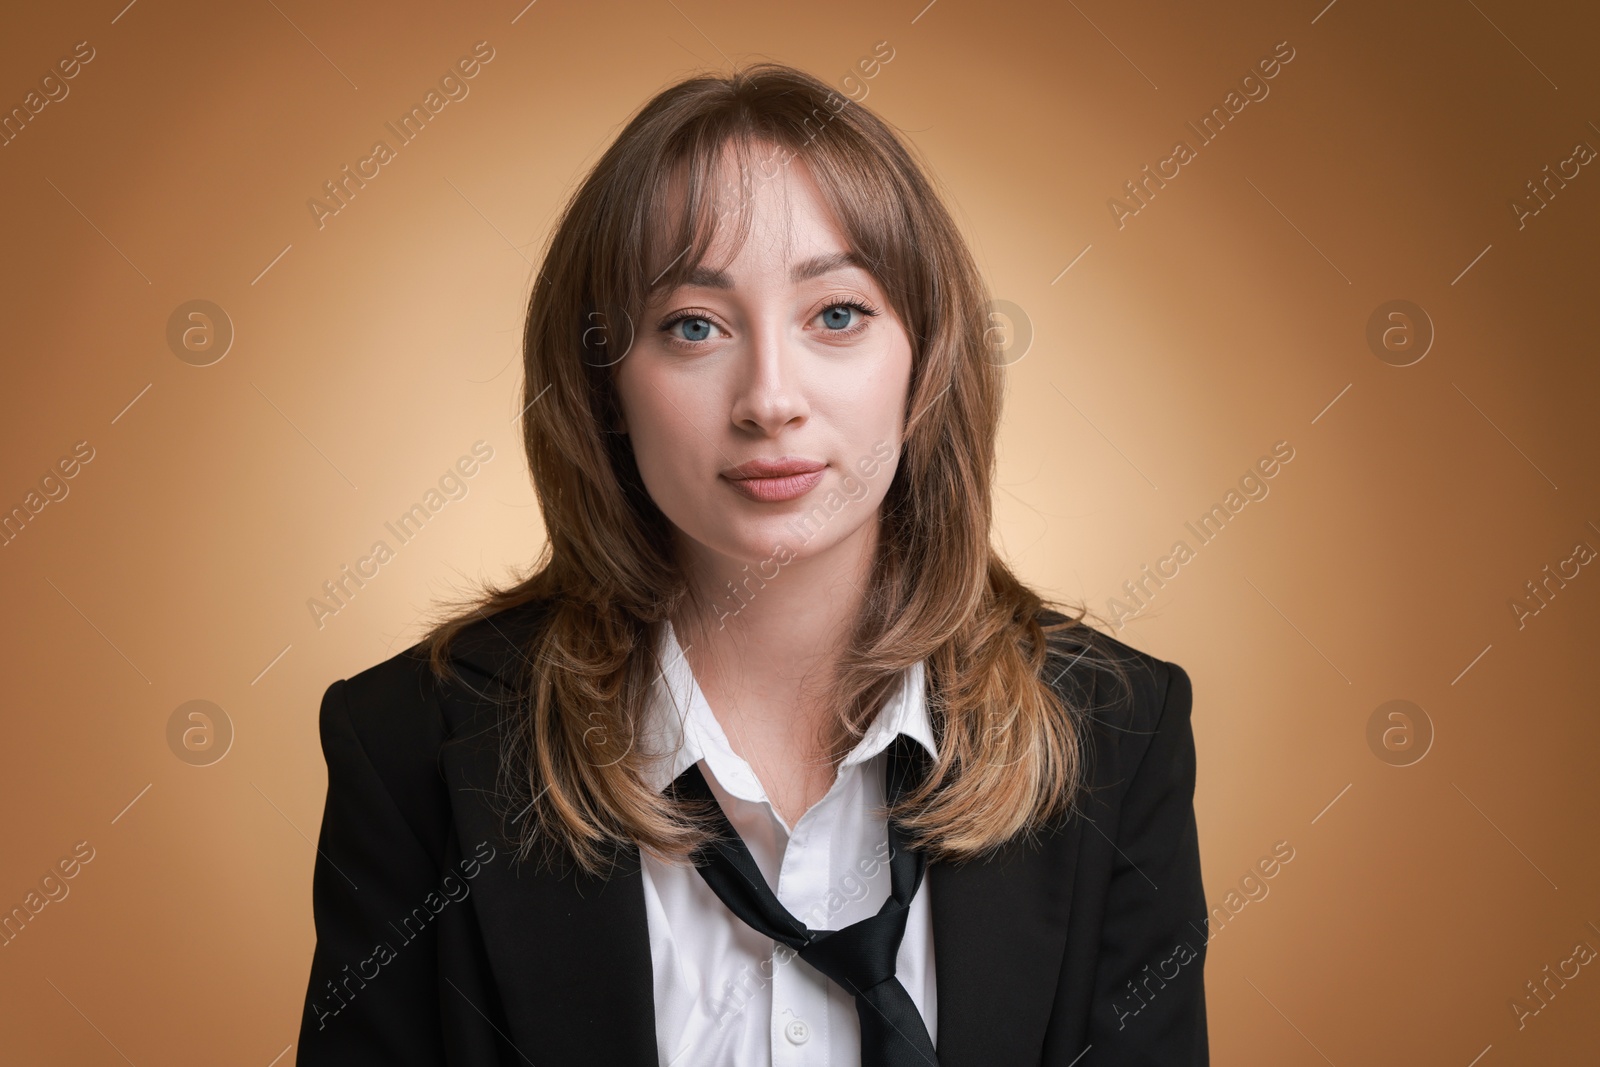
[{"x": 1170, "y": 356}]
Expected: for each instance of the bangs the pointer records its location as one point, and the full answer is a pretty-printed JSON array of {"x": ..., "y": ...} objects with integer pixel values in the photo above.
[
  {"x": 706, "y": 180},
  {"x": 703, "y": 184}
]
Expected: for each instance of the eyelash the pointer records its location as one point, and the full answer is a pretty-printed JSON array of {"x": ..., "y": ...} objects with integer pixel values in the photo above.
[{"x": 868, "y": 313}]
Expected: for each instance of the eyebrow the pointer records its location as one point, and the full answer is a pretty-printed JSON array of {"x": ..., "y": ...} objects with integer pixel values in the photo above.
[{"x": 814, "y": 267}]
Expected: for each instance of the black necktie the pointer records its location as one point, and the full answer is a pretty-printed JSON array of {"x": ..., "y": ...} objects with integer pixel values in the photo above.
[{"x": 861, "y": 957}]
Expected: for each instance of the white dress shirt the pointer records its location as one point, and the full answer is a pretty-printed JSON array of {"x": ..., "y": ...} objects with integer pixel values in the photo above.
[{"x": 726, "y": 996}]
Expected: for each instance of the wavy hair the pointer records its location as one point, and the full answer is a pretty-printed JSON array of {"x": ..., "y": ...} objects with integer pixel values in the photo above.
[{"x": 1011, "y": 747}]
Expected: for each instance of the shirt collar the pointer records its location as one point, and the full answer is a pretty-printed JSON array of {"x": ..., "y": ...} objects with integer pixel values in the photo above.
[{"x": 680, "y": 725}]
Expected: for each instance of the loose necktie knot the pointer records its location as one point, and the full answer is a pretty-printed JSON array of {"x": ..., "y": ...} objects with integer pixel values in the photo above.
[{"x": 860, "y": 958}]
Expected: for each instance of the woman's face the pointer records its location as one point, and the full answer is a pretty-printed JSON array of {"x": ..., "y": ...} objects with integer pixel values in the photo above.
[{"x": 765, "y": 398}]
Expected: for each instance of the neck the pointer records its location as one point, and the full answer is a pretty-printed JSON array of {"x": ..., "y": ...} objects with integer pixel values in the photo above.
[{"x": 766, "y": 652}]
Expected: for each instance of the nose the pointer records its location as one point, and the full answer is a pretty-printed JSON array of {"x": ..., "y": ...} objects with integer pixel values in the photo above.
[{"x": 768, "y": 395}]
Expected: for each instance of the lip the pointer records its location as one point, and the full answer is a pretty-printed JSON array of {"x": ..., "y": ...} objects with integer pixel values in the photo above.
[
  {"x": 782, "y": 467},
  {"x": 775, "y": 480}
]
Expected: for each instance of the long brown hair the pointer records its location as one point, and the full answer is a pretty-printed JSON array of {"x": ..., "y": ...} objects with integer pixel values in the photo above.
[{"x": 1011, "y": 750}]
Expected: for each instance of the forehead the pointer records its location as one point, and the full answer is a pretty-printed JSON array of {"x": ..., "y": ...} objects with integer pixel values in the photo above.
[
  {"x": 755, "y": 209},
  {"x": 801, "y": 270}
]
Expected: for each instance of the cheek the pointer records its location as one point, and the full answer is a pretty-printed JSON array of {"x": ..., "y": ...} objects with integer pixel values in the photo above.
[
  {"x": 660, "y": 416},
  {"x": 873, "y": 405},
  {"x": 867, "y": 407}
]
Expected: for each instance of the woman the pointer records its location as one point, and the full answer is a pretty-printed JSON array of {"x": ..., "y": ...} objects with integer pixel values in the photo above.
[{"x": 770, "y": 759}]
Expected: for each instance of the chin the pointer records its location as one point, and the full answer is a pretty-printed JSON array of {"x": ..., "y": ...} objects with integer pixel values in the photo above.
[
  {"x": 770, "y": 539},
  {"x": 767, "y": 543}
]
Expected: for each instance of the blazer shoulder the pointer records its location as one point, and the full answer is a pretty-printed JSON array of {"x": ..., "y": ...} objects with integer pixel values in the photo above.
[
  {"x": 1122, "y": 695},
  {"x": 397, "y": 715},
  {"x": 405, "y": 707},
  {"x": 389, "y": 707}
]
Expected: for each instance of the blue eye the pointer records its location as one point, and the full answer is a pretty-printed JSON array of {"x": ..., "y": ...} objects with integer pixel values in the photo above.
[
  {"x": 837, "y": 317},
  {"x": 698, "y": 329}
]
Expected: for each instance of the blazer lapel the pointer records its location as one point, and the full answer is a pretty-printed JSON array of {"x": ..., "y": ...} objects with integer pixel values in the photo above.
[{"x": 570, "y": 952}]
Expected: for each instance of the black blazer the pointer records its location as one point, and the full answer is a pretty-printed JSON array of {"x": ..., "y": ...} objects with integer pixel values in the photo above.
[{"x": 434, "y": 946}]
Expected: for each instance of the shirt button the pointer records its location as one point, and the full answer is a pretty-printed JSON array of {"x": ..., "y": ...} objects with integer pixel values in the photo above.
[{"x": 797, "y": 1032}]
